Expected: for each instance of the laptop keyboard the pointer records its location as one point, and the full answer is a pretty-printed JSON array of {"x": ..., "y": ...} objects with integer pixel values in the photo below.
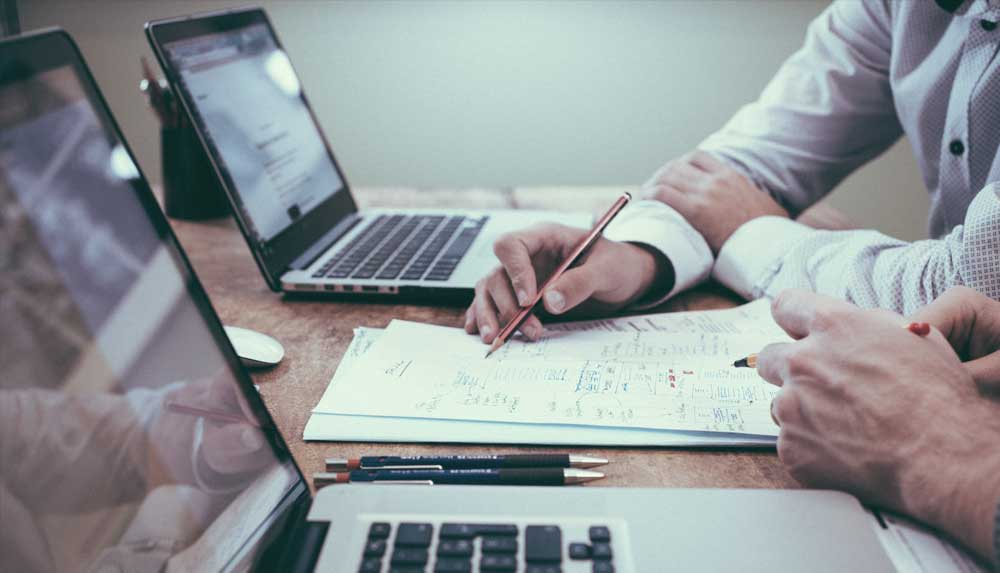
[
  {"x": 407, "y": 247},
  {"x": 486, "y": 548}
]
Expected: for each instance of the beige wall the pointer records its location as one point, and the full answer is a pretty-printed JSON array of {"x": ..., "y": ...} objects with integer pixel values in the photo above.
[{"x": 501, "y": 93}]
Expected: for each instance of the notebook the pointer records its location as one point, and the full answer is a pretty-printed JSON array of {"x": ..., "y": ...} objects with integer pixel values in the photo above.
[{"x": 706, "y": 335}]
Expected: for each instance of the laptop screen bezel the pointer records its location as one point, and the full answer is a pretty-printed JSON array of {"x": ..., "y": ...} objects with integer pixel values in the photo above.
[
  {"x": 23, "y": 57},
  {"x": 275, "y": 256}
]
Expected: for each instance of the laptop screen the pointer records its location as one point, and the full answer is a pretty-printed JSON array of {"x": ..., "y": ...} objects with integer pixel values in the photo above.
[
  {"x": 130, "y": 439},
  {"x": 247, "y": 103}
]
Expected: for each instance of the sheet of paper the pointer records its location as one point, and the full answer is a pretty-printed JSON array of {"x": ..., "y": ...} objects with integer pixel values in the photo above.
[
  {"x": 915, "y": 548},
  {"x": 638, "y": 379},
  {"x": 344, "y": 427},
  {"x": 748, "y": 319},
  {"x": 350, "y": 428}
]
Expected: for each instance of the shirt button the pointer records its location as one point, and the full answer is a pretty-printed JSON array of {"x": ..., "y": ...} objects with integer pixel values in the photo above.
[
  {"x": 988, "y": 25},
  {"x": 956, "y": 147}
]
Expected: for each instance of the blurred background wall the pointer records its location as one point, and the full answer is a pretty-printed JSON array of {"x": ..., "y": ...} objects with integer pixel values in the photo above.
[{"x": 506, "y": 92}]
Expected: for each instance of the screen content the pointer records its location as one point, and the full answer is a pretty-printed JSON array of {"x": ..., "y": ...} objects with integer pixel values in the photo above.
[
  {"x": 248, "y": 102},
  {"x": 125, "y": 441}
]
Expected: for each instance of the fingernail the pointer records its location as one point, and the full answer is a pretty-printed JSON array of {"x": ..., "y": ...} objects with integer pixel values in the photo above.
[
  {"x": 532, "y": 331},
  {"x": 555, "y": 300},
  {"x": 522, "y": 298},
  {"x": 485, "y": 332}
]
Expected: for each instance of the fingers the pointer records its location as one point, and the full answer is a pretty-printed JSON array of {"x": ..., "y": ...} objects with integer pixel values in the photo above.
[
  {"x": 515, "y": 250},
  {"x": 799, "y": 312},
  {"x": 955, "y": 314},
  {"x": 572, "y": 288},
  {"x": 674, "y": 197},
  {"x": 486, "y": 313},
  {"x": 685, "y": 177},
  {"x": 508, "y": 307},
  {"x": 494, "y": 306},
  {"x": 707, "y": 162},
  {"x": 235, "y": 448},
  {"x": 771, "y": 362},
  {"x": 986, "y": 372}
]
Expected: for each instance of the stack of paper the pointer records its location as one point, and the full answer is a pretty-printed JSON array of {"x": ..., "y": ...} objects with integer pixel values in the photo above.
[{"x": 663, "y": 379}]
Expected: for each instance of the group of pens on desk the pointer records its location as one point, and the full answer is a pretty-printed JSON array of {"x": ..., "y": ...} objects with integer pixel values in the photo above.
[{"x": 512, "y": 469}]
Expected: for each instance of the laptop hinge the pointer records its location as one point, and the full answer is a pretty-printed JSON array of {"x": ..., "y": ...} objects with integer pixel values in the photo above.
[
  {"x": 323, "y": 243},
  {"x": 303, "y": 559}
]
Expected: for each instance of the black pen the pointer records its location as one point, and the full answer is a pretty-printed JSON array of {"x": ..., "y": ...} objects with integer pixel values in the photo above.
[
  {"x": 516, "y": 476},
  {"x": 464, "y": 462}
]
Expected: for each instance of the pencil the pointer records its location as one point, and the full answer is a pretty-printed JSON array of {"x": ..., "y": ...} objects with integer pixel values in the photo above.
[
  {"x": 211, "y": 414},
  {"x": 507, "y": 331},
  {"x": 748, "y": 362}
]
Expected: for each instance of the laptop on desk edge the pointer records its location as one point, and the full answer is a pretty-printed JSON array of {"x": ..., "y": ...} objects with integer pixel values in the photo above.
[{"x": 287, "y": 190}]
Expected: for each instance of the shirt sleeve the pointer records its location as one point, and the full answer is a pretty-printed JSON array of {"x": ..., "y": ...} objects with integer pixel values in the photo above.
[
  {"x": 827, "y": 111},
  {"x": 658, "y": 226},
  {"x": 770, "y": 254}
]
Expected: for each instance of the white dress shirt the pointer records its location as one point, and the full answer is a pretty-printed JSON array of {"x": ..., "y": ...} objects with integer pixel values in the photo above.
[{"x": 869, "y": 72}]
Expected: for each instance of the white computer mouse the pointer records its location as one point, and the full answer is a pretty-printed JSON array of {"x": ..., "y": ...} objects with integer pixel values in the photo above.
[{"x": 255, "y": 350}]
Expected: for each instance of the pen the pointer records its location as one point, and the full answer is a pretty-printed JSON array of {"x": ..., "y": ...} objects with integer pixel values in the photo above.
[
  {"x": 464, "y": 462},
  {"x": 517, "y": 476},
  {"x": 207, "y": 413},
  {"x": 507, "y": 331},
  {"x": 919, "y": 328}
]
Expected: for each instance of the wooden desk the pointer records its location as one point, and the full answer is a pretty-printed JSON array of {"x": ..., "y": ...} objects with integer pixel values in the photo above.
[{"x": 316, "y": 334}]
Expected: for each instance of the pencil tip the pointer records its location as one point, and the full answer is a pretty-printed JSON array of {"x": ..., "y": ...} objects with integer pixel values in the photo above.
[{"x": 741, "y": 363}]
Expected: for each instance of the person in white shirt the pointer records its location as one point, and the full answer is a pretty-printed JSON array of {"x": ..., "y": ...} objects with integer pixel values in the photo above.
[{"x": 869, "y": 72}]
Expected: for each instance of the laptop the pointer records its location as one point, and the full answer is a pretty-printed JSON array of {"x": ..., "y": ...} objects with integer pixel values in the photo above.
[
  {"x": 132, "y": 439},
  {"x": 288, "y": 192}
]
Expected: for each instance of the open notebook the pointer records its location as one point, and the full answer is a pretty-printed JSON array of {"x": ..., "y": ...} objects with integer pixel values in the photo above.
[{"x": 651, "y": 380}]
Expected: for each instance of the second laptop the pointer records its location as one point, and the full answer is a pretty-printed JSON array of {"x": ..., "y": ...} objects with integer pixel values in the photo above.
[{"x": 288, "y": 192}]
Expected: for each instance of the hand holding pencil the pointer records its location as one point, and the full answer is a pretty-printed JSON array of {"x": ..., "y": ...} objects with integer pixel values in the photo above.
[{"x": 608, "y": 276}]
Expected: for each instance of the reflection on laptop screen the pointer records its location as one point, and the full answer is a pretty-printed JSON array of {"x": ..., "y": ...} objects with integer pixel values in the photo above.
[
  {"x": 249, "y": 104},
  {"x": 126, "y": 443}
]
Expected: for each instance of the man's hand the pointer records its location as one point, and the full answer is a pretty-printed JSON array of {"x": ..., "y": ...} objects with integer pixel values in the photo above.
[
  {"x": 970, "y": 321},
  {"x": 612, "y": 275},
  {"x": 891, "y": 417},
  {"x": 715, "y": 198}
]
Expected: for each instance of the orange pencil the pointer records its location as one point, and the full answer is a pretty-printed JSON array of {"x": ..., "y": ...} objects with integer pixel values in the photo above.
[{"x": 507, "y": 331}]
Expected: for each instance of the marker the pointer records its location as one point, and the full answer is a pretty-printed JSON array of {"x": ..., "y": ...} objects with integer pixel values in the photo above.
[
  {"x": 517, "y": 476},
  {"x": 464, "y": 462}
]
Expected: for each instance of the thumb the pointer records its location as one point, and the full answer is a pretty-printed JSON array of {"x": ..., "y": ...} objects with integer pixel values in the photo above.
[{"x": 572, "y": 288}]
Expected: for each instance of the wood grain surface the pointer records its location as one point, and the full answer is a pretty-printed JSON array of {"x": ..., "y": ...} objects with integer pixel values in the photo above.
[{"x": 315, "y": 334}]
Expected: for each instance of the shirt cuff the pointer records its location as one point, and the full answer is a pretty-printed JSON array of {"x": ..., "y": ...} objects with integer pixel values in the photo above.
[
  {"x": 658, "y": 226},
  {"x": 755, "y": 251}
]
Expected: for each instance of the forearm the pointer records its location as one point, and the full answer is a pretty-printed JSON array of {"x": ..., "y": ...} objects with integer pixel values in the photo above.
[
  {"x": 827, "y": 111},
  {"x": 768, "y": 255},
  {"x": 959, "y": 494},
  {"x": 54, "y": 448}
]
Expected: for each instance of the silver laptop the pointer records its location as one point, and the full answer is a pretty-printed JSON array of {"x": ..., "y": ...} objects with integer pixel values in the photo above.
[
  {"x": 287, "y": 190},
  {"x": 132, "y": 439}
]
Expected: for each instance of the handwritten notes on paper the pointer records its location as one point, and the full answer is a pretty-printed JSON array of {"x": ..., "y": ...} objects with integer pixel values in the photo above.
[{"x": 669, "y": 371}]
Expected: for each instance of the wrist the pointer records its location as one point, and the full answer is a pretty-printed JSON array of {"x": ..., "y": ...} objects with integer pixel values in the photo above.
[
  {"x": 656, "y": 273},
  {"x": 957, "y": 492}
]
